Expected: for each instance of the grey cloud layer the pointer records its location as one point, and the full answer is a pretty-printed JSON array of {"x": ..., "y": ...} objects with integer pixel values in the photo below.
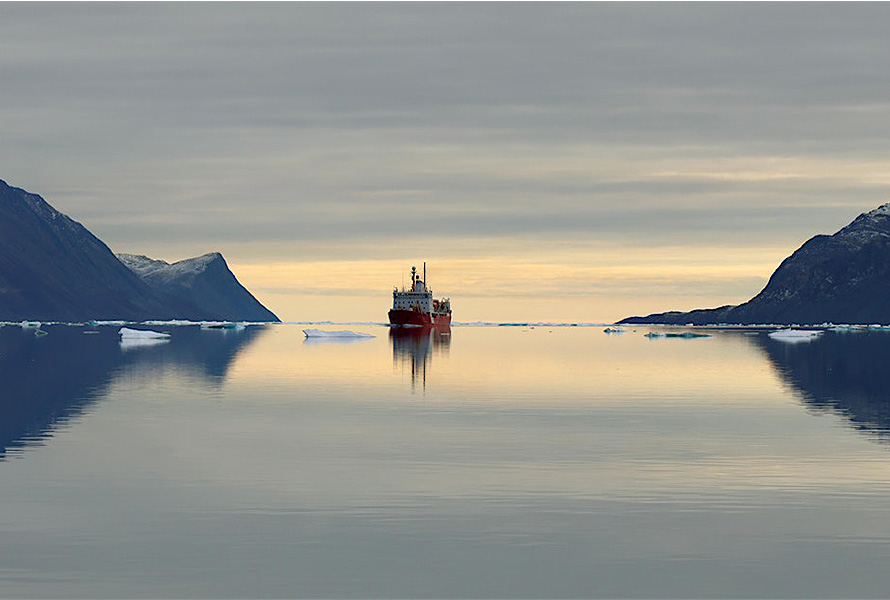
[{"x": 248, "y": 120}]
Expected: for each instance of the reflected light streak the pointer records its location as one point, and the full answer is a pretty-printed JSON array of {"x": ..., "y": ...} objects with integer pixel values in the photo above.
[{"x": 561, "y": 364}]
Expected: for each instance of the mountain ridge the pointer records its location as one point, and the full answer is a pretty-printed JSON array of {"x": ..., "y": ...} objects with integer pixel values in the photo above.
[
  {"x": 205, "y": 281},
  {"x": 839, "y": 278},
  {"x": 52, "y": 268}
]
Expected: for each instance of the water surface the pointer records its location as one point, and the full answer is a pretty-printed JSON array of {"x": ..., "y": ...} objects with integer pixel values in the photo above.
[{"x": 491, "y": 462}]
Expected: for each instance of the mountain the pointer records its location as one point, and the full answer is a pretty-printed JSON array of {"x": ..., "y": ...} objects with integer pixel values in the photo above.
[
  {"x": 204, "y": 282},
  {"x": 839, "y": 278},
  {"x": 53, "y": 269}
]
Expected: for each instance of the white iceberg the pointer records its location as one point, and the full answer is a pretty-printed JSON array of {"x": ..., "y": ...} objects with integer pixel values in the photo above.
[
  {"x": 142, "y": 334},
  {"x": 792, "y": 336},
  {"x": 344, "y": 334}
]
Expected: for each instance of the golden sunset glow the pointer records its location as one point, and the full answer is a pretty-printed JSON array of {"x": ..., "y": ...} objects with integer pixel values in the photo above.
[{"x": 596, "y": 283}]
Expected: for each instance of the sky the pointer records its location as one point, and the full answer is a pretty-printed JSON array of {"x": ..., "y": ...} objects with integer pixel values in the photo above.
[{"x": 576, "y": 162}]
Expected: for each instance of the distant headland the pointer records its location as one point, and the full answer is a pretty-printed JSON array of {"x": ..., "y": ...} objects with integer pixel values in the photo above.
[
  {"x": 53, "y": 269},
  {"x": 839, "y": 278}
]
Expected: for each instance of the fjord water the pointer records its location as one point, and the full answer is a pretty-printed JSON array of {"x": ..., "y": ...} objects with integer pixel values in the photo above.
[{"x": 493, "y": 462}]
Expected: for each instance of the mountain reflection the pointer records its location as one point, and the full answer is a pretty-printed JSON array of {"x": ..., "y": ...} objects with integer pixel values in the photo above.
[
  {"x": 843, "y": 372},
  {"x": 413, "y": 349},
  {"x": 46, "y": 381}
]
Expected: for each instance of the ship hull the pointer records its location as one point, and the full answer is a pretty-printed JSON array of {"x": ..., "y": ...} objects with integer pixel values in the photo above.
[{"x": 411, "y": 318}]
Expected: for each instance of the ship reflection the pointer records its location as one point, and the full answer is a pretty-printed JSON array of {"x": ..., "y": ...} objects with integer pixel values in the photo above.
[
  {"x": 50, "y": 380},
  {"x": 413, "y": 350},
  {"x": 845, "y": 373}
]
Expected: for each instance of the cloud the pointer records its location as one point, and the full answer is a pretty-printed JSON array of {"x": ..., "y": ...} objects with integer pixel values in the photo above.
[{"x": 183, "y": 127}]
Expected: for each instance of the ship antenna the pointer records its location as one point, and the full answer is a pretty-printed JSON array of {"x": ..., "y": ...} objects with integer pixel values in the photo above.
[{"x": 424, "y": 275}]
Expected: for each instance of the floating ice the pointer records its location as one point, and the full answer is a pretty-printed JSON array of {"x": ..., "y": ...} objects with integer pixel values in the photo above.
[
  {"x": 614, "y": 329},
  {"x": 319, "y": 333},
  {"x": 847, "y": 328},
  {"x": 792, "y": 336},
  {"x": 676, "y": 334},
  {"x": 142, "y": 334},
  {"x": 687, "y": 335}
]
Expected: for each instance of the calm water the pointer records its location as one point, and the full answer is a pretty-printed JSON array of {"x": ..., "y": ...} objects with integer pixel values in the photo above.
[{"x": 494, "y": 462}]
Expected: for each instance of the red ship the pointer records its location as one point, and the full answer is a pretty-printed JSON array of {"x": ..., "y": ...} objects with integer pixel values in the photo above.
[{"x": 416, "y": 307}]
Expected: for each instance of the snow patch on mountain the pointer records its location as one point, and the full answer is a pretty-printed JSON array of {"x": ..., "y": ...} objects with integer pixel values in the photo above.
[
  {"x": 204, "y": 282},
  {"x": 164, "y": 272}
]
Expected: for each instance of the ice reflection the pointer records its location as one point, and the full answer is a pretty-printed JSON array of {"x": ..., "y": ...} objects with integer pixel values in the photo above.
[
  {"x": 413, "y": 349},
  {"x": 46, "y": 381},
  {"x": 845, "y": 373}
]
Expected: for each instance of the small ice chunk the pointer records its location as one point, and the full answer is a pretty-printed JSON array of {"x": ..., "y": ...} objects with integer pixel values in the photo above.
[
  {"x": 142, "y": 334},
  {"x": 846, "y": 328},
  {"x": 792, "y": 336},
  {"x": 320, "y": 333},
  {"x": 687, "y": 335},
  {"x": 615, "y": 329}
]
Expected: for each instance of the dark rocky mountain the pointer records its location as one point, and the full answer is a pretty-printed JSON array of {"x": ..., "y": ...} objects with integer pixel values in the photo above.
[
  {"x": 839, "y": 278},
  {"x": 204, "y": 282},
  {"x": 53, "y": 269}
]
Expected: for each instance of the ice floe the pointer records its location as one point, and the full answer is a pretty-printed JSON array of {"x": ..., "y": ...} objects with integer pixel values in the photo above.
[
  {"x": 142, "y": 334},
  {"x": 141, "y": 338},
  {"x": 847, "y": 328},
  {"x": 793, "y": 336},
  {"x": 688, "y": 335}
]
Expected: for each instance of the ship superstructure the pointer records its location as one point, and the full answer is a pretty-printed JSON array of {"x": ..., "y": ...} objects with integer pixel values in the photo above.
[{"x": 416, "y": 307}]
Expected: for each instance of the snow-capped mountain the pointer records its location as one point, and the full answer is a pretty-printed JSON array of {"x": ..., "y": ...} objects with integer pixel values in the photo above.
[
  {"x": 204, "y": 281},
  {"x": 839, "y": 278},
  {"x": 53, "y": 269}
]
